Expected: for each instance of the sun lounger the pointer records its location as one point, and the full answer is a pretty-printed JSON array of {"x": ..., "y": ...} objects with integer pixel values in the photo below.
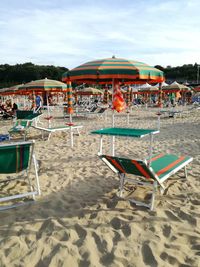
[
  {"x": 148, "y": 173},
  {"x": 171, "y": 113},
  {"x": 21, "y": 127},
  {"x": 16, "y": 160},
  {"x": 25, "y": 119},
  {"x": 51, "y": 130},
  {"x": 85, "y": 112},
  {"x": 100, "y": 111},
  {"x": 28, "y": 115}
]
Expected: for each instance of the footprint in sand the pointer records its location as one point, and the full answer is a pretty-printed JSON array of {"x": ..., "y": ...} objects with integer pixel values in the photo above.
[
  {"x": 172, "y": 216},
  {"x": 116, "y": 223},
  {"x": 166, "y": 230},
  {"x": 148, "y": 256},
  {"x": 170, "y": 259},
  {"x": 126, "y": 230},
  {"x": 101, "y": 244},
  {"x": 81, "y": 233},
  {"x": 187, "y": 217},
  {"x": 107, "y": 259}
]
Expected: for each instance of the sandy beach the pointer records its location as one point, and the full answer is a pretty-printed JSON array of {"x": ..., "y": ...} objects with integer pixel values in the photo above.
[{"x": 79, "y": 220}]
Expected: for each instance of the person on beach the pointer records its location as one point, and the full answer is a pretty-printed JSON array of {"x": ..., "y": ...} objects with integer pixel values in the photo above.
[{"x": 38, "y": 101}]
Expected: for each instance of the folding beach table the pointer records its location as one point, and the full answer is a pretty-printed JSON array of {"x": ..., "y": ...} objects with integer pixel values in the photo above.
[{"x": 125, "y": 132}]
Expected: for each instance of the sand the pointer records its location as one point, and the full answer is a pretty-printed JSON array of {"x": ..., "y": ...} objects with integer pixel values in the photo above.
[{"x": 79, "y": 220}]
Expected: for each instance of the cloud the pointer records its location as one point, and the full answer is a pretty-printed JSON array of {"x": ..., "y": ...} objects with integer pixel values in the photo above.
[{"x": 73, "y": 32}]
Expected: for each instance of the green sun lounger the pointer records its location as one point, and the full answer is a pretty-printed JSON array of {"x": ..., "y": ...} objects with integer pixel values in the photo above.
[
  {"x": 21, "y": 127},
  {"x": 25, "y": 119},
  {"x": 151, "y": 173},
  {"x": 15, "y": 163}
]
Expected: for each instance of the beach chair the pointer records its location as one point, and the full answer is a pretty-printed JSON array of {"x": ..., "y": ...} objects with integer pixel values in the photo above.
[
  {"x": 87, "y": 111},
  {"x": 148, "y": 173},
  {"x": 30, "y": 115},
  {"x": 99, "y": 112},
  {"x": 16, "y": 161},
  {"x": 21, "y": 127},
  {"x": 25, "y": 119},
  {"x": 171, "y": 113},
  {"x": 51, "y": 130}
]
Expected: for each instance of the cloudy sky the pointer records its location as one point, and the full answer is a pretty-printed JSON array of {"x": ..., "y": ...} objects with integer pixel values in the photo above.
[{"x": 71, "y": 32}]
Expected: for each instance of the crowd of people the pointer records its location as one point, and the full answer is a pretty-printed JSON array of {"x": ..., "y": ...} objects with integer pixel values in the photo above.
[{"x": 8, "y": 109}]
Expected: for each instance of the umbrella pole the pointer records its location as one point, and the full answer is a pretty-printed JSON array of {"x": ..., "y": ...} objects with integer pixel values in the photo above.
[
  {"x": 70, "y": 118},
  {"x": 113, "y": 113},
  {"x": 48, "y": 111},
  {"x": 128, "y": 121},
  {"x": 113, "y": 122}
]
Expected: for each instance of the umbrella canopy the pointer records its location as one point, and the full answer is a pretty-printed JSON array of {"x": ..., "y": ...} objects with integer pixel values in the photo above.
[
  {"x": 44, "y": 85},
  {"x": 175, "y": 87},
  {"x": 196, "y": 89},
  {"x": 11, "y": 90},
  {"x": 162, "y": 84},
  {"x": 105, "y": 70},
  {"x": 89, "y": 91},
  {"x": 149, "y": 90},
  {"x": 145, "y": 86}
]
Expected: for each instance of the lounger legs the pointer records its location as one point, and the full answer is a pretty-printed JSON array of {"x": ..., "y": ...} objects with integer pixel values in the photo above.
[
  {"x": 36, "y": 175},
  {"x": 185, "y": 172},
  {"x": 122, "y": 180},
  {"x": 150, "y": 205},
  {"x": 153, "y": 195}
]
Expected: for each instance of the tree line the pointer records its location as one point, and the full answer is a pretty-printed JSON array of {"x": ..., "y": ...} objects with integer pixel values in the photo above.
[
  {"x": 188, "y": 73},
  {"x": 21, "y": 73}
]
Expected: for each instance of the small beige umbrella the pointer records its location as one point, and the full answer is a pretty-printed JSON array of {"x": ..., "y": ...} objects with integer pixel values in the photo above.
[{"x": 89, "y": 91}]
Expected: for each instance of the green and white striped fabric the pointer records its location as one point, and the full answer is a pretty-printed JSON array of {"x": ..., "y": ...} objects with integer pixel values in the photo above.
[{"x": 161, "y": 165}]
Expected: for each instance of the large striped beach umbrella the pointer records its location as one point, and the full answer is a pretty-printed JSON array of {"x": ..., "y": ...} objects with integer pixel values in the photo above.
[
  {"x": 44, "y": 85},
  {"x": 105, "y": 70},
  {"x": 114, "y": 71},
  {"x": 175, "y": 87}
]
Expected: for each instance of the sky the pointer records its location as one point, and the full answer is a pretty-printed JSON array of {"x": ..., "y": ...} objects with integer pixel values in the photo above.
[{"x": 69, "y": 33}]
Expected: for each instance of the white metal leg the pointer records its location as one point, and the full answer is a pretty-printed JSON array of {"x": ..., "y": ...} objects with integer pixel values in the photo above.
[
  {"x": 71, "y": 137},
  {"x": 113, "y": 145},
  {"x": 150, "y": 149},
  {"x": 100, "y": 145}
]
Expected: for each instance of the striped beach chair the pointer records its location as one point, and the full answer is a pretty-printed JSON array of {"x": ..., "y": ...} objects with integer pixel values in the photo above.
[
  {"x": 25, "y": 119},
  {"x": 151, "y": 173},
  {"x": 16, "y": 160},
  {"x": 21, "y": 127}
]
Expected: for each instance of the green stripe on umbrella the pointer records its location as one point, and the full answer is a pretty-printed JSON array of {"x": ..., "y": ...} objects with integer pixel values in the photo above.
[{"x": 113, "y": 68}]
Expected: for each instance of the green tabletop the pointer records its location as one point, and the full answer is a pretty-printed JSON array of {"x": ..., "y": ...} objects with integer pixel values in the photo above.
[{"x": 131, "y": 132}]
